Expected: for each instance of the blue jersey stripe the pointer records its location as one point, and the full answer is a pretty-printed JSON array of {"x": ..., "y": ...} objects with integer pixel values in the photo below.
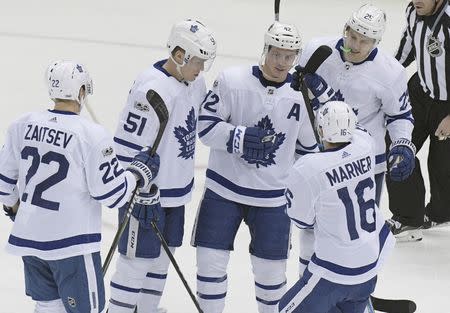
[
  {"x": 8, "y": 180},
  {"x": 127, "y": 144},
  {"x": 208, "y": 129},
  {"x": 349, "y": 271},
  {"x": 302, "y": 224},
  {"x": 209, "y": 118},
  {"x": 109, "y": 194},
  {"x": 244, "y": 191},
  {"x": 4, "y": 193},
  {"x": 380, "y": 158},
  {"x": 176, "y": 192},
  {"x": 54, "y": 244},
  {"x": 124, "y": 158},
  {"x": 121, "y": 196}
]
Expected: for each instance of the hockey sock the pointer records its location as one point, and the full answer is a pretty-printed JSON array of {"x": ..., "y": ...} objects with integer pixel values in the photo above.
[
  {"x": 126, "y": 283},
  {"x": 154, "y": 283},
  {"x": 212, "y": 280},
  {"x": 270, "y": 282}
]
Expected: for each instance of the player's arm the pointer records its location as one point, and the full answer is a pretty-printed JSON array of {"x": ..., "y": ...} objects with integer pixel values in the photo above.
[
  {"x": 397, "y": 108},
  {"x": 406, "y": 52},
  {"x": 300, "y": 197},
  {"x": 111, "y": 184},
  {"x": 399, "y": 123},
  {"x": 306, "y": 141},
  {"x": 137, "y": 127},
  {"x": 213, "y": 122},
  {"x": 9, "y": 172}
]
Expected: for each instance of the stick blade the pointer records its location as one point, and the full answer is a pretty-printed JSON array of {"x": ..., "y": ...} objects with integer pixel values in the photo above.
[
  {"x": 390, "y": 305},
  {"x": 158, "y": 105},
  {"x": 317, "y": 58}
]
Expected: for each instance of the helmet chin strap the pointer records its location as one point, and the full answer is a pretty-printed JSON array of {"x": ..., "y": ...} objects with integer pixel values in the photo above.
[{"x": 178, "y": 67}]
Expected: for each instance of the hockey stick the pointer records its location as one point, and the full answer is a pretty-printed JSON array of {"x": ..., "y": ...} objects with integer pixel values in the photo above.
[
  {"x": 276, "y": 9},
  {"x": 317, "y": 58},
  {"x": 160, "y": 108},
  {"x": 91, "y": 112},
  {"x": 393, "y": 306}
]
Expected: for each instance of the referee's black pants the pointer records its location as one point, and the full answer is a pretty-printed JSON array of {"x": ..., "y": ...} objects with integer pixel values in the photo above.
[{"x": 407, "y": 198}]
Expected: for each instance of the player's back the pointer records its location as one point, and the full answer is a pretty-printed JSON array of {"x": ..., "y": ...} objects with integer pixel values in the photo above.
[
  {"x": 53, "y": 155},
  {"x": 349, "y": 228}
]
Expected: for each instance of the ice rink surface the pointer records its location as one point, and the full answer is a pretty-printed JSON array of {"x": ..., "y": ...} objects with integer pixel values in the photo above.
[{"x": 118, "y": 39}]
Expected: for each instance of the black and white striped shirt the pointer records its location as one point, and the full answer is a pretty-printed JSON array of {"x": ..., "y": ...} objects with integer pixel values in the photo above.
[{"x": 427, "y": 40}]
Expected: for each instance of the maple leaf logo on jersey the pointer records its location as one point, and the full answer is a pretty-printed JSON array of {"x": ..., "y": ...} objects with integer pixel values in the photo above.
[
  {"x": 186, "y": 136},
  {"x": 338, "y": 96},
  {"x": 266, "y": 123}
]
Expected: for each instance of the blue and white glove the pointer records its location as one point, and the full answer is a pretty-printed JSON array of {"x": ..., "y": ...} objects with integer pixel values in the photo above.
[
  {"x": 319, "y": 91},
  {"x": 253, "y": 142},
  {"x": 146, "y": 207},
  {"x": 144, "y": 167},
  {"x": 401, "y": 159}
]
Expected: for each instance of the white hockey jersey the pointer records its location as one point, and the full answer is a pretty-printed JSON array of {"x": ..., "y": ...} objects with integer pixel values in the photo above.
[
  {"x": 376, "y": 89},
  {"x": 334, "y": 193},
  {"x": 60, "y": 165},
  {"x": 139, "y": 124},
  {"x": 241, "y": 96}
]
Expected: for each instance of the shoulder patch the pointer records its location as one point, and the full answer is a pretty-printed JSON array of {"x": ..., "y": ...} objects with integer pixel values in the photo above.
[
  {"x": 107, "y": 151},
  {"x": 142, "y": 107}
]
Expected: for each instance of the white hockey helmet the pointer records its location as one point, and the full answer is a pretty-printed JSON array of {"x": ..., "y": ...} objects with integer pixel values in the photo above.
[
  {"x": 337, "y": 122},
  {"x": 195, "y": 39},
  {"x": 285, "y": 36},
  {"x": 369, "y": 21},
  {"x": 65, "y": 78}
]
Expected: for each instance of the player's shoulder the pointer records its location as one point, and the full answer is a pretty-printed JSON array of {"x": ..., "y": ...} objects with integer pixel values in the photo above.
[
  {"x": 309, "y": 165},
  {"x": 234, "y": 77},
  {"x": 91, "y": 132}
]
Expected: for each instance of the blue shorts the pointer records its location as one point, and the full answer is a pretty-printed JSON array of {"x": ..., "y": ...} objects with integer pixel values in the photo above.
[
  {"x": 218, "y": 221},
  {"x": 146, "y": 244},
  {"x": 77, "y": 281},
  {"x": 313, "y": 294}
]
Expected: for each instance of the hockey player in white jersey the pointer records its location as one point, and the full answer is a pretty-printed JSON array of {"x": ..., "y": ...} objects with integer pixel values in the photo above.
[
  {"x": 142, "y": 267},
  {"x": 58, "y": 168},
  {"x": 331, "y": 197},
  {"x": 256, "y": 126},
  {"x": 373, "y": 83}
]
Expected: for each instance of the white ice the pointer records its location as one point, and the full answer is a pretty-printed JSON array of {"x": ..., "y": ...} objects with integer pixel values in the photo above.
[{"x": 118, "y": 39}]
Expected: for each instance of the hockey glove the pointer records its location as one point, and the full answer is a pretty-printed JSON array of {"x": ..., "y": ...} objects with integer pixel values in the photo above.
[
  {"x": 146, "y": 207},
  {"x": 401, "y": 159},
  {"x": 253, "y": 142},
  {"x": 9, "y": 211},
  {"x": 144, "y": 167},
  {"x": 319, "y": 91}
]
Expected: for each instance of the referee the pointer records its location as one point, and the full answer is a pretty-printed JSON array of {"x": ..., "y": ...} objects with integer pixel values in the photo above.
[{"x": 426, "y": 39}]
